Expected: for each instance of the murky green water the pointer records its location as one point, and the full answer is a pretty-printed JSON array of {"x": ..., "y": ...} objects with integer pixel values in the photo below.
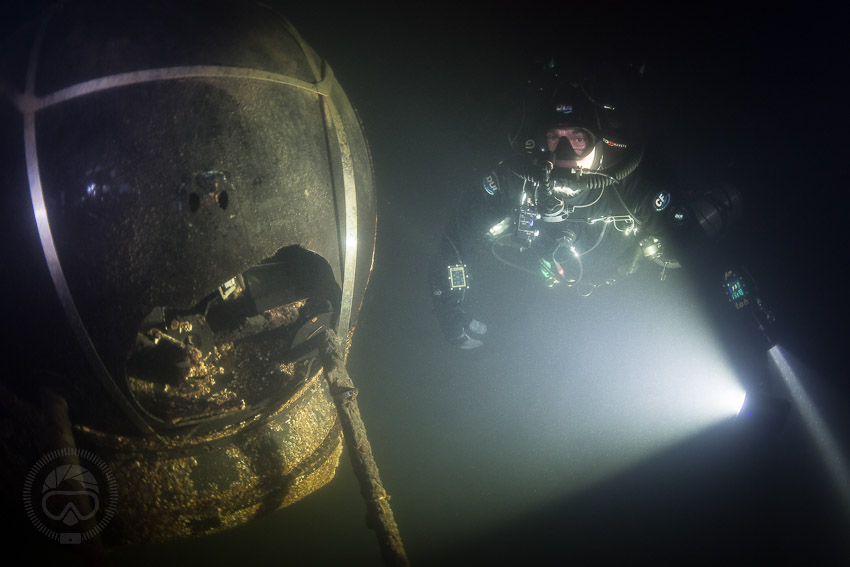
[{"x": 560, "y": 441}]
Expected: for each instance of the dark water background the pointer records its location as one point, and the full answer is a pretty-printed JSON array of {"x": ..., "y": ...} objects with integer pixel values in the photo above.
[{"x": 515, "y": 453}]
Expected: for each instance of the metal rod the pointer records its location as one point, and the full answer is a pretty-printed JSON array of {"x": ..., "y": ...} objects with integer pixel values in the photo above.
[{"x": 379, "y": 515}]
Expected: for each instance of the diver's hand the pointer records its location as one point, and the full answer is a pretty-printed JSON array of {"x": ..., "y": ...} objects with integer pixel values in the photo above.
[
  {"x": 475, "y": 327},
  {"x": 538, "y": 172}
]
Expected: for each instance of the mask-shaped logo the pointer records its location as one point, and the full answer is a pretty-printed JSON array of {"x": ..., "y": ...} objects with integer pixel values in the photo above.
[{"x": 70, "y": 495}]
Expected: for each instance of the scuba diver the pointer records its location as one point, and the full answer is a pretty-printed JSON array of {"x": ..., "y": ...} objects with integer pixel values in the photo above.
[{"x": 567, "y": 203}]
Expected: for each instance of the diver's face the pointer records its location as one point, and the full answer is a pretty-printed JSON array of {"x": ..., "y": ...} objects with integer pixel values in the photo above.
[{"x": 577, "y": 137}]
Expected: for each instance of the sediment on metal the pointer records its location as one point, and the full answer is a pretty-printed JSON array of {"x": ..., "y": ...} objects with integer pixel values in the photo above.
[{"x": 379, "y": 515}]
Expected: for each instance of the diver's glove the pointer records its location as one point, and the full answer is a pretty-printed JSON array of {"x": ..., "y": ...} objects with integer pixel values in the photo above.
[
  {"x": 536, "y": 171},
  {"x": 469, "y": 343},
  {"x": 465, "y": 342},
  {"x": 544, "y": 187},
  {"x": 477, "y": 327}
]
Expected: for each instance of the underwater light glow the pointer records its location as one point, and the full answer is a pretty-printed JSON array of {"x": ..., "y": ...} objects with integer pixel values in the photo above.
[
  {"x": 618, "y": 407},
  {"x": 587, "y": 393},
  {"x": 733, "y": 399}
]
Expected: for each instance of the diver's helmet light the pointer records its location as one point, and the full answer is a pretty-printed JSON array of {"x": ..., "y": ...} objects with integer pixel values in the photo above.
[
  {"x": 651, "y": 247},
  {"x": 501, "y": 227}
]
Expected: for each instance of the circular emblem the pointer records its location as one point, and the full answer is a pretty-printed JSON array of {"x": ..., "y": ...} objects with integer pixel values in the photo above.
[
  {"x": 70, "y": 495},
  {"x": 491, "y": 184},
  {"x": 662, "y": 199}
]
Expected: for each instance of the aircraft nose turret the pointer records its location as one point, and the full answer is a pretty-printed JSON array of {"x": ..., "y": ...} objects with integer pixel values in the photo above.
[{"x": 202, "y": 194}]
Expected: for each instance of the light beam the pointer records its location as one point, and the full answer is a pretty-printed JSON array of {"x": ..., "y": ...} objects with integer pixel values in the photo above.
[{"x": 816, "y": 426}]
